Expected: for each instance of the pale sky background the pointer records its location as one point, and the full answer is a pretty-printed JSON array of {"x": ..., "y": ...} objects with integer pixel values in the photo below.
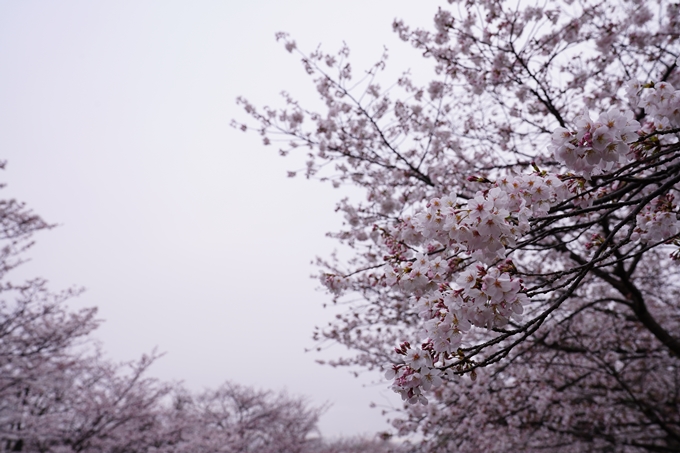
[{"x": 187, "y": 234}]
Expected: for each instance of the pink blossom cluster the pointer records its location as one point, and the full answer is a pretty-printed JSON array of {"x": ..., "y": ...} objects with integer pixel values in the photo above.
[
  {"x": 658, "y": 221},
  {"x": 482, "y": 297},
  {"x": 491, "y": 297},
  {"x": 538, "y": 191},
  {"x": 418, "y": 374},
  {"x": 486, "y": 298},
  {"x": 596, "y": 146},
  {"x": 660, "y": 101},
  {"x": 417, "y": 276},
  {"x": 494, "y": 219},
  {"x": 334, "y": 283}
]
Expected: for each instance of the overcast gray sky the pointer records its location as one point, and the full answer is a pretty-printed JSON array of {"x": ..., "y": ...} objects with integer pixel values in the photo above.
[{"x": 114, "y": 120}]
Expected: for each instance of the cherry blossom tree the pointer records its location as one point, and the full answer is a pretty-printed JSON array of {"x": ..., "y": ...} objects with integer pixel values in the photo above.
[
  {"x": 35, "y": 330},
  {"x": 515, "y": 259},
  {"x": 236, "y": 418},
  {"x": 56, "y": 392}
]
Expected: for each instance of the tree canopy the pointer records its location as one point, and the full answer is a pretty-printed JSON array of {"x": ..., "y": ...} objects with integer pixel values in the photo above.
[{"x": 514, "y": 264}]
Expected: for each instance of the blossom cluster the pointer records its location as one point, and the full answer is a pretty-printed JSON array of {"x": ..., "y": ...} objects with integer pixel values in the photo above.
[
  {"x": 418, "y": 373},
  {"x": 334, "y": 283},
  {"x": 596, "y": 146},
  {"x": 493, "y": 219},
  {"x": 483, "y": 297},
  {"x": 488, "y": 295},
  {"x": 658, "y": 221},
  {"x": 660, "y": 101}
]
